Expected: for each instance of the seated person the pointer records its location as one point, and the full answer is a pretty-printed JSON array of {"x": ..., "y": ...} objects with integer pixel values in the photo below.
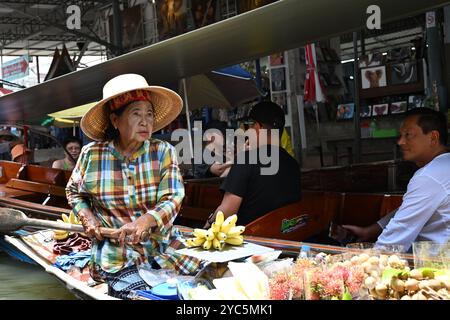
[
  {"x": 425, "y": 211},
  {"x": 250, "y": 190},
  {"x": 19, "y": 153},
  {"x": 7, "y": 140},
  {"x": 72, "y": 146},
  {"x": 215, "y": 144}
]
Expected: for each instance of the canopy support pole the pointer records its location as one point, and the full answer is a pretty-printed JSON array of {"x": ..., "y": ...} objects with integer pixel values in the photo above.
[
  {"x": 188, "y": 120},
  {"x": 356, "y": 122}
]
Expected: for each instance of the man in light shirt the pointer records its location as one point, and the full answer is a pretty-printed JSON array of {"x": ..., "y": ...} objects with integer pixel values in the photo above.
[{"x": 425, "y": 211}]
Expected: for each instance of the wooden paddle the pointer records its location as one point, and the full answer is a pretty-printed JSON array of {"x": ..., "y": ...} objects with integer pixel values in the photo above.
[{"x": 11, "y": 220}]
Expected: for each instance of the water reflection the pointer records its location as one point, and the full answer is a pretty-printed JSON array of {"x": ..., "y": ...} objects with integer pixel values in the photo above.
[{"x": 19, "y": 280}]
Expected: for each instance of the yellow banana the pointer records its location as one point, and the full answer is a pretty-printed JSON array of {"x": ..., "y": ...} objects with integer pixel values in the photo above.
[
  {"x": 60, "y": 234},
  {"x": 198, "y": 241},
  {"x": 73, "y": 219},
  {"x": 229, "y": 223},
  {"x": 210, "y": 235},
  {"x": 195, "y": 242},
  {"x": 215, "y": 228},
  {"x": 200, "y": 233},
  {"x": 217, "y": 245},
  {"x": 221, "y": 236},
  {"x": 236, "y": 241},
  {"x": 65, "y": 218},
  {"x": 207, "y": 244},
  {"x": 235, "y": 231},
  {"x": 219, "y": 219}
]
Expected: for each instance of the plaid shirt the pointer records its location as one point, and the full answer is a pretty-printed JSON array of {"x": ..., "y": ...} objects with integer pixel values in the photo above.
[{"x": 119, "y": 192}]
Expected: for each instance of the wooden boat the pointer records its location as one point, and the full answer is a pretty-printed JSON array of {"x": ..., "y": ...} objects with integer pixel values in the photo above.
[{"x": 38, "y": 247}]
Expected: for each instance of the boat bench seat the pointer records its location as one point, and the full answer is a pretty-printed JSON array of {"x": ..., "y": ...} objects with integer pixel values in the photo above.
[
  {"x": 313, "y": 214},
  {"x": 364, "y": 209},
  {"x": 38, "y": 187},
  {"x": 300, "y": 220},
  {"x": 200, "y": 200},
  {"x": 44, "y": 175}
]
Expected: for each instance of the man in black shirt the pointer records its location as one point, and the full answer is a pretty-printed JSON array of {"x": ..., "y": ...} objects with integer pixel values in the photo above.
[{"x": 252, "y": 189}]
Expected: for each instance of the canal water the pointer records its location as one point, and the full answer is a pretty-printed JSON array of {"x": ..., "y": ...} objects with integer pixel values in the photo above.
[{"x": 20, "y": 280}]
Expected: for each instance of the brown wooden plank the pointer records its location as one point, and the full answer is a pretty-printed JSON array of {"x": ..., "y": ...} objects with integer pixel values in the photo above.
[
  {"x": 36, "y": 187},
  {"x": 361, "y": 209},
  {"x": 9, "y": 170},
  {"x": 45, "y": 175}
]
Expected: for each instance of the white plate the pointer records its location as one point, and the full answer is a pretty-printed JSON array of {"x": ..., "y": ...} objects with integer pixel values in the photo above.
[{"x": 228, "y": 253}]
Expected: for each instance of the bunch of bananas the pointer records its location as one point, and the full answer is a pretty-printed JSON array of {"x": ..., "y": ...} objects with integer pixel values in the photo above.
[
  {"x": 220, "y": 233},
  {"x": 61, "y": 234}
]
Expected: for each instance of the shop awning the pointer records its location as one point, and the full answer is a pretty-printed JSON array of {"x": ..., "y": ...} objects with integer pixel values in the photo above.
[
  {"x": 279, "y": 26},
  {"x": 68, "y": 117}
]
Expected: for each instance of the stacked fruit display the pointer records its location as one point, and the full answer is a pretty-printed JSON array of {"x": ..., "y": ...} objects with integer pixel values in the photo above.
[
  {"x": 220, "y": 233},
  {"x": 389, "y": 278}
]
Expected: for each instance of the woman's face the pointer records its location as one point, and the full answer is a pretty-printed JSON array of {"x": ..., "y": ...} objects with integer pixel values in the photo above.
[
  {"x": 74, "y": 149},
  {"x": 135, "y": 124}
]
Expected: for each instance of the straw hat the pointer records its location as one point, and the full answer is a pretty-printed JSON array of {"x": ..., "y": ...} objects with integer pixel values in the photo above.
[{"x": 167, "y": 104}]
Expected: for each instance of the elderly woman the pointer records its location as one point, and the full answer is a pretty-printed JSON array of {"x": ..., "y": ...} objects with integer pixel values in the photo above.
[
  {"x": 72, "y": 146},
  {"x": 129, "y": 181}
]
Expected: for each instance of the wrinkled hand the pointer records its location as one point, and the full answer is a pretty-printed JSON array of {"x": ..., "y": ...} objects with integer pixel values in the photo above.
[
  {"x": 90, "y": 224},
  {"x": 136, "y": 231}
]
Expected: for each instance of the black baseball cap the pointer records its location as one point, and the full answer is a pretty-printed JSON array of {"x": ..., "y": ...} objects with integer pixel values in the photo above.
[{"x": 268, "y": 113}]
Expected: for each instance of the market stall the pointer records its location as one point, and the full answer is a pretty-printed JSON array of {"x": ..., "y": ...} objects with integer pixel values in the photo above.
[{"x": 248, "y": 268}]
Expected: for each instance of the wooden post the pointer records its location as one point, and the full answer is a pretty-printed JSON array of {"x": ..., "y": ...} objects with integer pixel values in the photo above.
[{"x": 294, "y": 89}]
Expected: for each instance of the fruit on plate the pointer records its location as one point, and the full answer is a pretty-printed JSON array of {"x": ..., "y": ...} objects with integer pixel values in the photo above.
[{"x": 222, "y": 231}]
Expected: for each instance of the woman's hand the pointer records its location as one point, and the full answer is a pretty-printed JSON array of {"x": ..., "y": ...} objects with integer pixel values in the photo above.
[
  {"x": 90, "y": 223},
  {"x": 136, "y": 231}
]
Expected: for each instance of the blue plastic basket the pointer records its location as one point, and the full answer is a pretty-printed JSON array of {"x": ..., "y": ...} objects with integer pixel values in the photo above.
[{"x": 163, "y": 291}]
